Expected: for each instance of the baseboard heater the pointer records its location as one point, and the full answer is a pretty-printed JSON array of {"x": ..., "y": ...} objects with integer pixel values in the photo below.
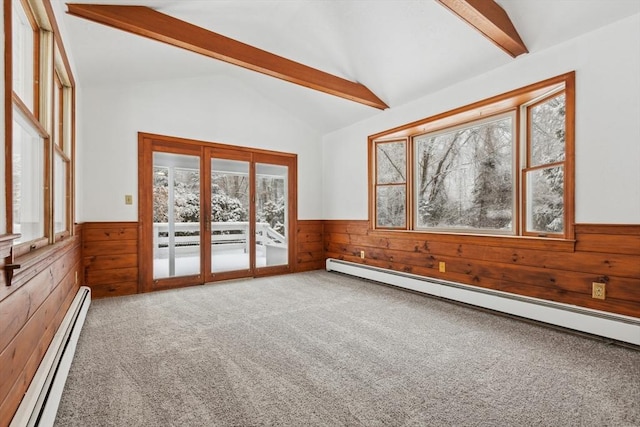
[
  {"x": 40, "y": 403},
  {"x": 617, "y": 327}
]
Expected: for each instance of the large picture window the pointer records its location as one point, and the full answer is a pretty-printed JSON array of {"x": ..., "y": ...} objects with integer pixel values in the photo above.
[
  {"x": 465, "y": 177},
  {"x": 501, "y": 166}
]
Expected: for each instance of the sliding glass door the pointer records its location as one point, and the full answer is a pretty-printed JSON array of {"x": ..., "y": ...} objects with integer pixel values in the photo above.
[
  {"x": 210, "y": 212},
  {"x": 272, "y": 248},
  {"x": 230, "y": 212}
]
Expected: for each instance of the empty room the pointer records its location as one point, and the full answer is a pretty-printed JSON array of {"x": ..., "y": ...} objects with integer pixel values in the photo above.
[{"x": 319, "y": 212}]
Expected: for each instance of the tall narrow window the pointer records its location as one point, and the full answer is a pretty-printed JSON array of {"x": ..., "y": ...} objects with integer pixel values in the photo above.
[
  {"x": 544, "y": 174},
  {"x": 60, "y": 197},
  {"x": 28, "y": 150},
  {"x": 391, "y": 184},
  {"x": 23, "y": 37},
  {"x": 61, "y": 135},
  {"x": 58, "y": 111}
]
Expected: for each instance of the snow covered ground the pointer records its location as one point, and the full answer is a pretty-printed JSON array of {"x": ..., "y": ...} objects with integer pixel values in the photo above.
[{"x": 227, "y": 260}]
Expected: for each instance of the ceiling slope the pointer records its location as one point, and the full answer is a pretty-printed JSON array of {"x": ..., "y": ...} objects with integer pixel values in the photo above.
[
  {"x": 402, "y": 50},
  {"x": 152, "y": 24}
]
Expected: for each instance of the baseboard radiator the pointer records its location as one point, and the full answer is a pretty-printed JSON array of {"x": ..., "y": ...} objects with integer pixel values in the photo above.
[
  {"x": 40, "y": 403},
  {"x": 617, "y": 327}
]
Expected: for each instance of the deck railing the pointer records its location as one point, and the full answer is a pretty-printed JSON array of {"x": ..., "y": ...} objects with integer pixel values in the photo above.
[{"x": 184, "y": 237}]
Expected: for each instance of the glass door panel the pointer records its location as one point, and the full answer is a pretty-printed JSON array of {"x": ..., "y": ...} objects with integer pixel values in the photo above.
[
  {"x": 272, "y": 220},
  {"x": 230, "y": 231},
  {"x": 176, "y": 215}
]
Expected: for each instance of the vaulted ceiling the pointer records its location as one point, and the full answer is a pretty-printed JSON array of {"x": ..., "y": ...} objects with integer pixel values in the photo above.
[{"x": 400, "y": 49}]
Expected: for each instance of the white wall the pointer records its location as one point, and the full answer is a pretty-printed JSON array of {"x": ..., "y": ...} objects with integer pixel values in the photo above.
[
  {"x": 607, "y": 65},
  {"x": 213, "y": 108}
]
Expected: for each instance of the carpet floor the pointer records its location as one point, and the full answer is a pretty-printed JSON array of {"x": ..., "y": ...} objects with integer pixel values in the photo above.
[{"x": 326, "y": 349}]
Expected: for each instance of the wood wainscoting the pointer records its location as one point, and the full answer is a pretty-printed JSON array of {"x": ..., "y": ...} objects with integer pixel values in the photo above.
[
  {"x": 603, "y": 253},
  {"x": 110, "y": 258},
  {"x": 31, "y": 310},
  {"x": 310, "y": 252},
  {"x": 110, "y": 255}
]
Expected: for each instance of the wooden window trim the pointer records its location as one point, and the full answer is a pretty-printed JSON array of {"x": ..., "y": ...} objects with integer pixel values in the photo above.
[
  {"x": 529, "y": 108},
  {"x": 42, "y": 19},
  {"x": 25, "y": 247},
  {"x": 568, "y": 174},
  {"x": 517, "y": 99},
  {"x": 57, "y": 236},
  {"x": 513, "y": 115},
  {"x": 57, "y": 128},
  {"x": 405, "y": 183},
  {"x": 518, "y": 242},
  {"x": 150, "y": 143}
]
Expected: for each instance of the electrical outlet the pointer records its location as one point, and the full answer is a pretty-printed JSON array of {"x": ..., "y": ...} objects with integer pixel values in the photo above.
[
  {"x": 598, "y": 290},
  {"x": 362, "y": 254},
  {"x": 128, "y": 199},
  {"x": 442, "y": 268}
]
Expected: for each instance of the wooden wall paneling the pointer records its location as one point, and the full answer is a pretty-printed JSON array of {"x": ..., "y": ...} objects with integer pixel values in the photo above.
[
  {"x": 607, "y": 243},
  {"x": 23, "y": 303},
  {"x": 23, "y": 380},
  {"x": 310, "y": 247},
  {"x": 31, "y": 316},
  {"x": 552, "y": 294},
  {"x": 537, "y": 272},
  {"x": 42, "y": 277},
  {"x": 110, "y": 258},
  {"x": 613, "y": 264},
  {"x": 34, "y": 262}
]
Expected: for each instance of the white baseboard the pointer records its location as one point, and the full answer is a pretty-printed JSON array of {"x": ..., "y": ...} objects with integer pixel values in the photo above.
[
  {"x": 39, "y": 405},
  {"x": 614, "y": 326}
]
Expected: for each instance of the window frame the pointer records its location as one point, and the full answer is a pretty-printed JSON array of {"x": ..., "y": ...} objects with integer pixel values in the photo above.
[
  {"x": 51, "y": 72},
  {"x": 30, "y": 120},
  {"x": 513, "y": 115},
  {"x": 28, "y": 11},
  {"x": 405, "y": 184},
  {"x": 518, "y": 101},
  {"x": 62, "y": 135},
  {"x": 528, "y": 166}
]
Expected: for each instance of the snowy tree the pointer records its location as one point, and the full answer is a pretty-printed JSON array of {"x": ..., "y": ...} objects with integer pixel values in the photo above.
[
  {"x": 273, "y": 213},
  {"x": 271, "y": 201},
  {"x": 548, "y": 201},
  {"x": 546, "y": 185},
  {"x": 465, "y": 177},
  {"x": 186, "y": 195},
  {"x": 391, "y": 164},
  {"x": 225, "y": 208},
  {"x": 493, "y": 183}
]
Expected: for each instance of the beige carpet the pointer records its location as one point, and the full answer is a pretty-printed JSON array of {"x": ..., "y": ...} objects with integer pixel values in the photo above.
[{"x": 325, "y": 349}]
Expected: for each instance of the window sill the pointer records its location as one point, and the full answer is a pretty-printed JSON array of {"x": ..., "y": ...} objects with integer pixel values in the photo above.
[
  {"x": 517, "y": 242},
  {"x": 34, "y": 262}
]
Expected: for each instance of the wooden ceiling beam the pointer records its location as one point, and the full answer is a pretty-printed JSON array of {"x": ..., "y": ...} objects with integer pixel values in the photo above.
[
  {"x": 152, "y": 24},
  {"x": 491, "y": 20}
]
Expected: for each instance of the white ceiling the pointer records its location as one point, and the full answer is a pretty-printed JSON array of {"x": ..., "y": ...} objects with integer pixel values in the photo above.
[{"x": 400, "y": 49}]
